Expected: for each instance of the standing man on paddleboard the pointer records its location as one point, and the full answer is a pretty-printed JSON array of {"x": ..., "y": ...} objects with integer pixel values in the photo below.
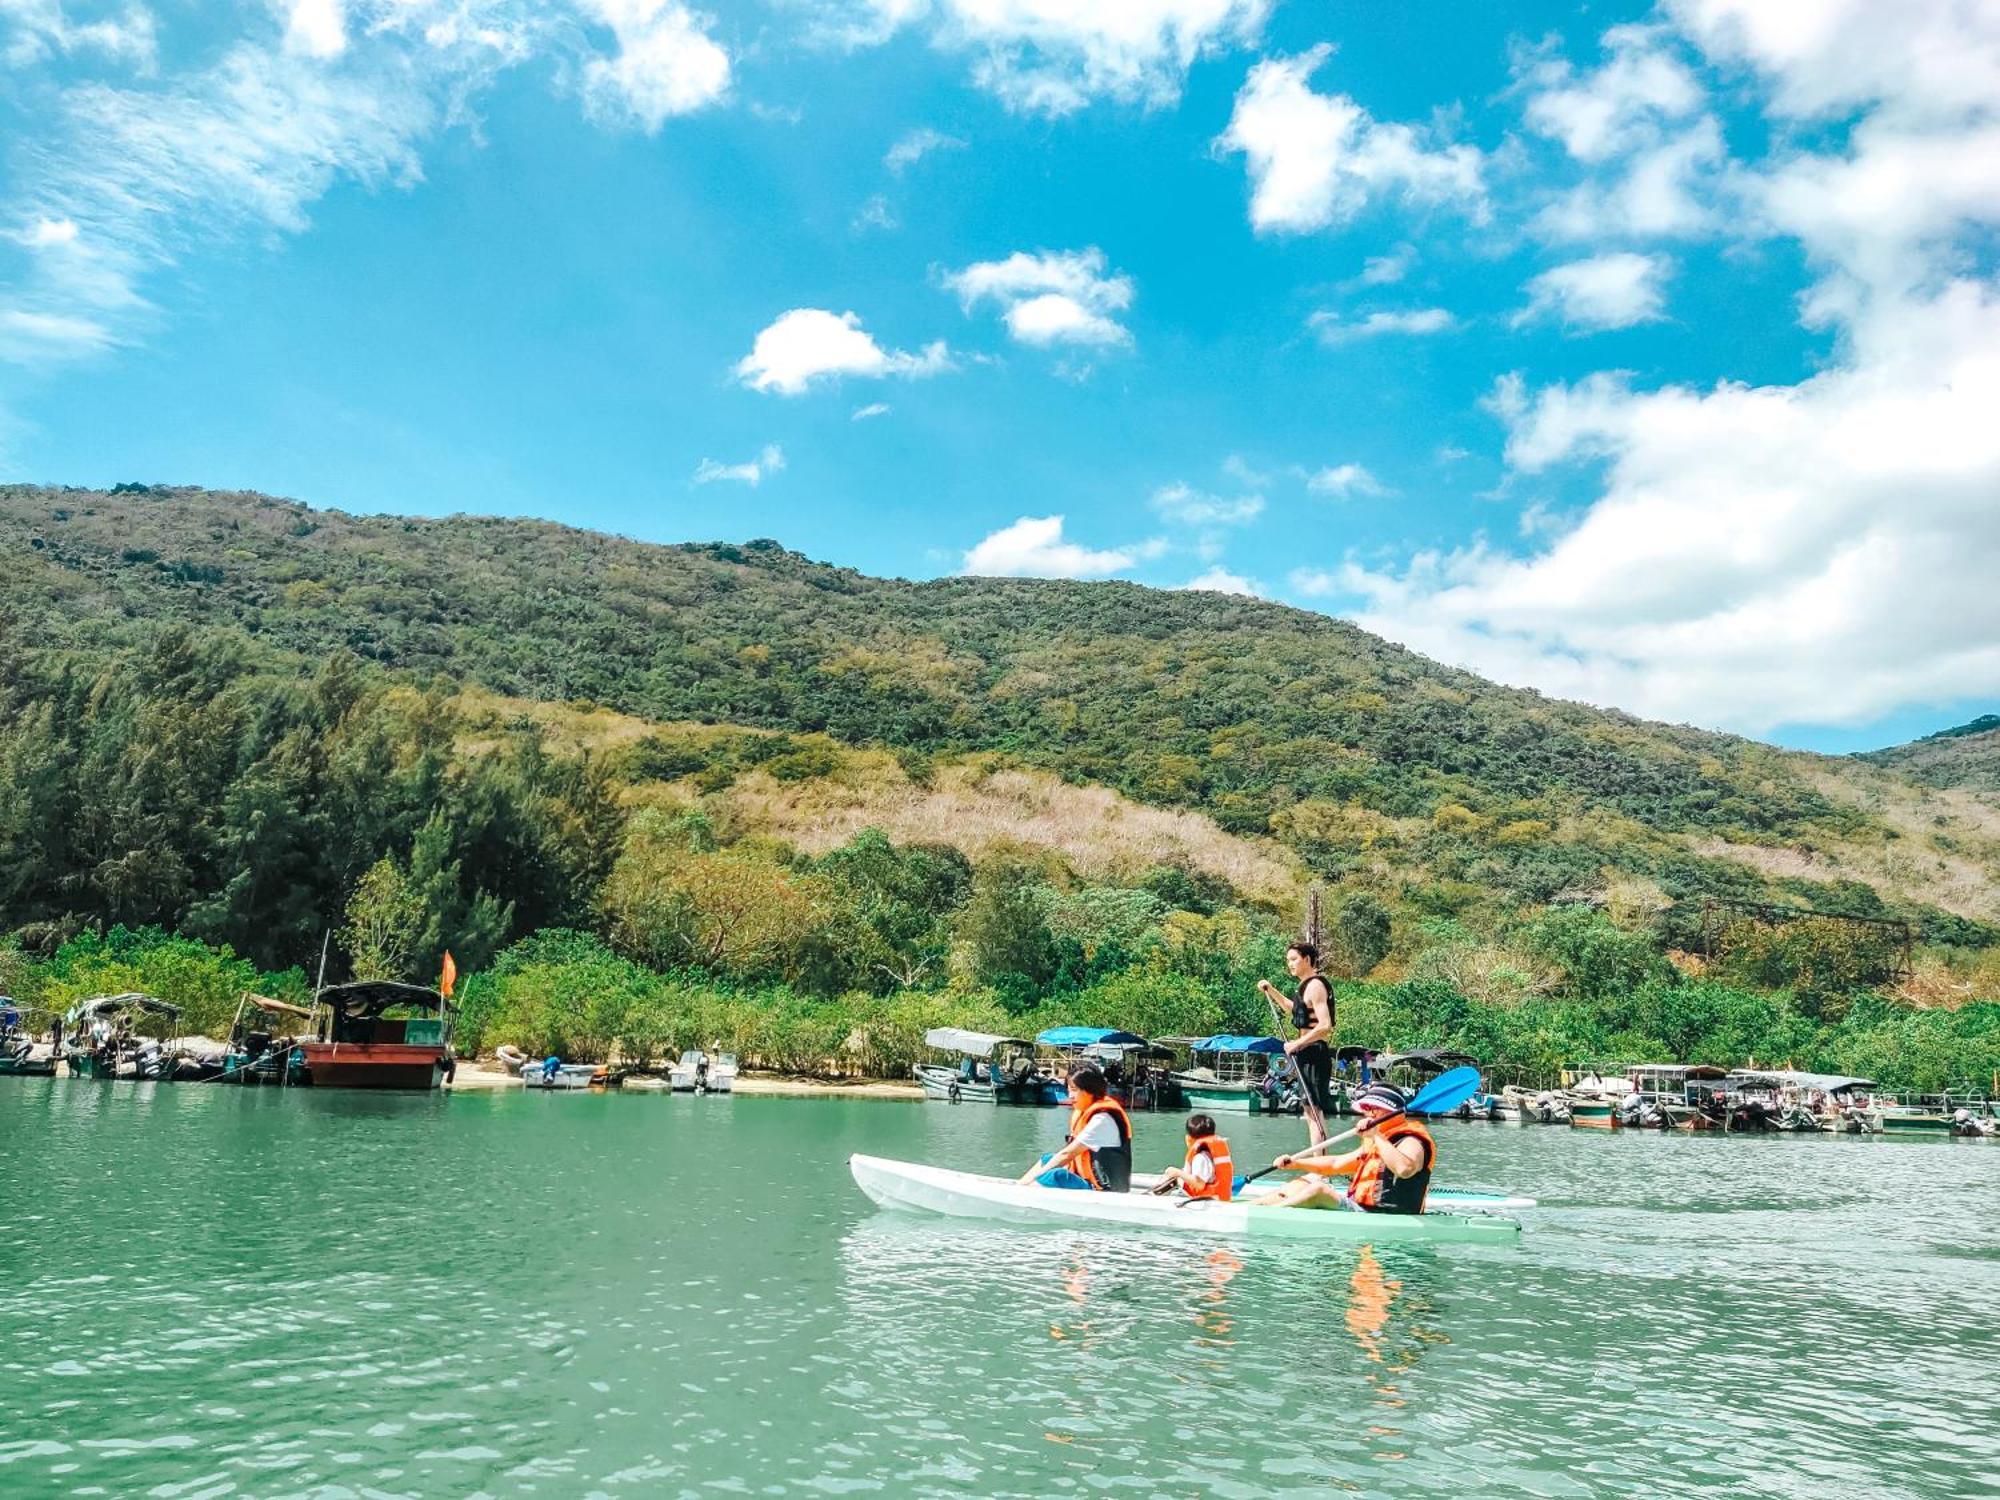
[{"x": 1311, "y": 1051}]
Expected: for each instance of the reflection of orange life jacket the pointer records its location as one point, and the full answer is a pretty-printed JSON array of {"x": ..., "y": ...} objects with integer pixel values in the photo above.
[
  {"x": 1382, "y": 1191},
  {"x": 1108, "y": 1168},
  {"x": 1224, "y": 1184}
]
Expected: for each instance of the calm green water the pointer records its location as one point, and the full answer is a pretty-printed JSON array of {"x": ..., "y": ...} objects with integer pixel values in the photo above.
[{"x": 218, "y": 1292}]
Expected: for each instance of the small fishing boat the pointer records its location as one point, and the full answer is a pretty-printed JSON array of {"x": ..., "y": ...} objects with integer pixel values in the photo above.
[
  {"x": 991, "y": 1070},
  {"x": 263, "y": 1042},
  {"x": 22, "y": 1053},
  {"x": 910, "y": 1185},
  {"x": 699, "y": 1072},
  {"x": 359, "y": 1045},
  {"x": 1536, "y": 1106},
  {"x": 1126, "y": 1057},
  {"x": 555, "y": 1074},
  {"x": 1665, "y": 1096},
  {"x": 104, "y": 1039},
  {"x": 1593, "y": 1098},
  {"x": 1237, "y": 1075}
]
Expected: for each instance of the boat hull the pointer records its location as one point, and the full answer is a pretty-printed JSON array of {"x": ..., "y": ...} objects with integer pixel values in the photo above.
[
  {"x": 1229, "y": 1099},
  {"x": 1593, "y": 1116},
  {"x": 968, "y": 1195},
  {"x": 371, "y": 1065}
]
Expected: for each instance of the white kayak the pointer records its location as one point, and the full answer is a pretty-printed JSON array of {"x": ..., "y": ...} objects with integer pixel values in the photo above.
[{"x": 969, "y": 1195}]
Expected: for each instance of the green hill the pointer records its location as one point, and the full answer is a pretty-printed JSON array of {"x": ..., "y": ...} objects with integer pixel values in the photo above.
[
  {"x": 1363, "y": 763},
  {"x": 1967, "y": 755},
  {"x": 244, "y": 719}
]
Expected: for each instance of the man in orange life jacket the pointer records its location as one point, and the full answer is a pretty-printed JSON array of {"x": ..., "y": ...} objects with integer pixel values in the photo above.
[
  {"x": 1207, "y": 1172},
  {"x": 1098, "y": 1153},
  {"x": 1391, "y": 1168}
]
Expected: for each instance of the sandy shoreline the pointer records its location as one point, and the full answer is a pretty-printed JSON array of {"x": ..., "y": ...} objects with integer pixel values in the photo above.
[{"x": 490, "y": 1075}]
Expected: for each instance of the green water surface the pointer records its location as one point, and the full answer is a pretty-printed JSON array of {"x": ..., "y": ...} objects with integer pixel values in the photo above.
[{"x": 222, "y": 1292}]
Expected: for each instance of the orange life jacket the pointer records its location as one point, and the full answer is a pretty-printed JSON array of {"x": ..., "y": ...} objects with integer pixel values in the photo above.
[
  {"x": 1377, "y": 1188},
  {"x": 1108, "y": 1168},
  {"x": 1223, "y": 1185}
]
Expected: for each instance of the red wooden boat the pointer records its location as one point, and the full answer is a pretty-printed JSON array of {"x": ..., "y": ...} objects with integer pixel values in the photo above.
[{"x": 357, "y": 1047}]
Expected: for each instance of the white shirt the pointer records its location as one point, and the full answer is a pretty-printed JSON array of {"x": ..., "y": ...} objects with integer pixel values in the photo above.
[
  {"x": 1101, "y": 1132},
  {"x": 1203, "y": 1170}
]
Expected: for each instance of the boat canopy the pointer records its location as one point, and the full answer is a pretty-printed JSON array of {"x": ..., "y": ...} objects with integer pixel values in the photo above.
[
  {"x": 1239, "y": 1044},
  {"x": 111, "y": 1005},
  {"x": 272, "y": 1007},
  {"x": 368, "y": 998},
  {"x": 1826, "y": 1083},
  {"x": 1426, "y": 1060},
  {"x": 1677, "y": 1070},
  {"x": 970, "y": 1043},
  {"x": 1089, "y": 1036}
]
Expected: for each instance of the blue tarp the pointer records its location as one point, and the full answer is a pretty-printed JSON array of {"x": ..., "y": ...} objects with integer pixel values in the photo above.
[
  {"x": 1239, "y": 1044},
  {"x": 1088, "y": 1036}
]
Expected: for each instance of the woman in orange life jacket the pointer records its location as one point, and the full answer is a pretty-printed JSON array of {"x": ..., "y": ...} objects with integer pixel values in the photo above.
[
  {"x": 1207, "y": 1172},
  {"x": 1391, "y": 1168},
  {"x": 1098, "y": 1153}
]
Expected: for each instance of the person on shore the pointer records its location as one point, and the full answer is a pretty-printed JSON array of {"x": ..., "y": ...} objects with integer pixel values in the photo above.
[
  {"x": 1098, "y": 1151},
  {"x": 1206, "y": 1173},
  {"x": 1311, "y": 1051},
  {"x": 1391, "y": 1168}
]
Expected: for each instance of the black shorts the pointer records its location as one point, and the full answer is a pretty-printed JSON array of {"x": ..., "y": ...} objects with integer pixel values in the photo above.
[{"x": 1315, "y": 1065}]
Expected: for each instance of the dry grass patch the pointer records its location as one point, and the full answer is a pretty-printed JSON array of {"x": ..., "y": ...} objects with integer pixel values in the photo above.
[{"x": 1102, "y": 835}]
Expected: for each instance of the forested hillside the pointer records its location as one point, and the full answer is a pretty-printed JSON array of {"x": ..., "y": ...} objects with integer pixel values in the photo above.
[
  {"x": 247, "y": 722},
  {"x": 1967, "y": 755}
]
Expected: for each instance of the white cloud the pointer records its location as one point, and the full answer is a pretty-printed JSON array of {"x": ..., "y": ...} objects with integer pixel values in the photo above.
[
  {"x": 1317, "y": 159},
  {"x": 1052, "y": 298},
  {"x": 1345, "y": 482},
  {"x": 46, "y": 233},
  {"x": 1382, "y": 270},
  {"x": 1416, "y": 321},
  {"x": 1053, "y": 57},
  {"x": 1614, "y": 290},
  {"x": 876, "y": 213},
  {"x": 752, "y": 472},
  {"x": 809, "y": 344},
  {"x": 871, "y": 410},
  {"x": 1222, "y": 581},
  {"x": 1188, "y": 506},
  {"x": 316, "y": 28},
  {"x": 35, "y": 30},
  {"x": 1617, "y": 108},
  {"x": 1821, "y": 552},
  {"x": 1664, "y": 190},
  {"x": 1033, "y": 547},
  {"x": 914, "y": 145},
  {"x": 667, "y": 63},
  {"x": 28, "y": 337}
]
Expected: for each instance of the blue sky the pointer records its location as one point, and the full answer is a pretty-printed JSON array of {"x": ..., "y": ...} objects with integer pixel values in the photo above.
[{"x": 1638, "y": 354}]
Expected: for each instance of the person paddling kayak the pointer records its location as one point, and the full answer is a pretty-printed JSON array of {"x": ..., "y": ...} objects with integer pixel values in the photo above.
[
  {"x": 1098, "y": 1153},
  {"x": 1311, "y": 1051},
  {"x": 1206, "y": 1173},
  {"x": 1391, "y": 1168}
]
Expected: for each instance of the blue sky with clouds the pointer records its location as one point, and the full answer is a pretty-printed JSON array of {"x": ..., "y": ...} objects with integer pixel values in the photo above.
[{"x": 1645, "y": 355}]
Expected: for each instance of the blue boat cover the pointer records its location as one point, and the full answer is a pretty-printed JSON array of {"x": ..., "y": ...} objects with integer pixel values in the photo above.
[
  {"x": 1239, "y": 1044},
  {"x": 1088, "y": 1036}
]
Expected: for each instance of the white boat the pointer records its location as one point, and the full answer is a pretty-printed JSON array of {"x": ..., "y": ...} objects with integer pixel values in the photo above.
[
  {"x": 701, "y": 1072},
  {"x": 911, "y": 1185},
  {"x": 539, "y": 1075}
]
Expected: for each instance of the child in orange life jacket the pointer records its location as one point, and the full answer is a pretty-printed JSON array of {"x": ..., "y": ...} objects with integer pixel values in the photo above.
[
  {"x": 1391, "y": 1168},
  {"x": 1207, "y": 1172},
  {"x": 1098, "y": 1153}
]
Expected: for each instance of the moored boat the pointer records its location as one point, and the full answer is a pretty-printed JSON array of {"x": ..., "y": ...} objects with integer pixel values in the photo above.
[
  {"x": 107, "y": 1037},
  {"x": 699, "y": 1072},
  {"x": 556, "y": 1075},
  {"x": 911, "y": 1185},
  {"x": 23, "y": 1054},
  {"x": 991, "y": 1069},
  {"x": 1236, "y": 1075},
  {"x": 359, "y": 1045},
  {"x": 1125, "y": 1057}
]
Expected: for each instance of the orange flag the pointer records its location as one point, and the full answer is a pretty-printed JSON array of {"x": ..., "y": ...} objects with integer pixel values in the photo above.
[{"x": 449, "y": 977}]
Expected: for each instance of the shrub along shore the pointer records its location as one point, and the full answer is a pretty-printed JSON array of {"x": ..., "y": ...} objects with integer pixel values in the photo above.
[{"x": 572, "y": 994}]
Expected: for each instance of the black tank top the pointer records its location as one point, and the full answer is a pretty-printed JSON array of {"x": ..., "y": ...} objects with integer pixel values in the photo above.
[{"x": 1303, "y": 1018}]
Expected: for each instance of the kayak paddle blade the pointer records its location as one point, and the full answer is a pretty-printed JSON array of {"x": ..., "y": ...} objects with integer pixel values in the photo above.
[{"x": 1445, "y": 1092}]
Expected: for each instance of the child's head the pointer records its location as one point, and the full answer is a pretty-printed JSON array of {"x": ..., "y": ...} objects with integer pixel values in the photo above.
[{"x": 1199, "y": 1126}]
